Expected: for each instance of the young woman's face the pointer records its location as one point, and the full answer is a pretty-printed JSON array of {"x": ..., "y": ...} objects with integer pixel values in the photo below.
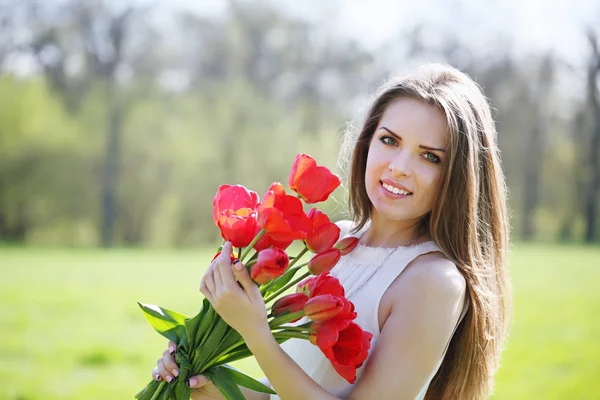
[{"x": 404, "y": 163}]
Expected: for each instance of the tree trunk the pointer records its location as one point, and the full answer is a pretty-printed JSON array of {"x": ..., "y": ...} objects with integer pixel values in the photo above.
[
  {"x": 591, "y": 205},
  {"x": 531, "y": 187},
  {"x": 110, "y": 178}
]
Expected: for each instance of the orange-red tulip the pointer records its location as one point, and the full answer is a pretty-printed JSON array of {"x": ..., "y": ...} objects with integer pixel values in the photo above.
[
  {"x": 323, "y": 234},
  {"x": 270, "y": 264},
  {"x": 289, "y": 304},
  {"x": 346, "y": 245},
  {"x": 234, "y": 197},
  {"x": 282, "y": 216},
  {"x": 324, "y": 261},
  {"x": 312, "y": 182},
  {"x": 321, "y": 284},
  {"x": 238, "y": 226},
  {"x": 324, "y": 307}
]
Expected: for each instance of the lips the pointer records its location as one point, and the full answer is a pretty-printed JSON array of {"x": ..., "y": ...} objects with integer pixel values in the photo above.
[{"x": 395, "y": 188}]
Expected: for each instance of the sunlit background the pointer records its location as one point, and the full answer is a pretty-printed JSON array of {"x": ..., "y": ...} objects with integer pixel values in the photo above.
[{"x": 119, "y": 120}]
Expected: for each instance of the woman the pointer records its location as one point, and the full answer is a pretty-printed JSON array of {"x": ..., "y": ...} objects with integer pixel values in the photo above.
[{"x": 429, "y": 279}]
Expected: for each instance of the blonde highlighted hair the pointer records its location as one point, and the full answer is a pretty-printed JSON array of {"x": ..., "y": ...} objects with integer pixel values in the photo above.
[{"x": 468, "y": 221}]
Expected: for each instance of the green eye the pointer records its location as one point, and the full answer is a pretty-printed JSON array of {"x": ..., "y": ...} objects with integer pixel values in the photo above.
[
  {"x": 432, "y": 158},
  {"x": 388, "y": 140}
]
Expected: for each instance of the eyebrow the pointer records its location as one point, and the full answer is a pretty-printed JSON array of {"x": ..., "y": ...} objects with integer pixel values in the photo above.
[{"x": 420, "y": 146}]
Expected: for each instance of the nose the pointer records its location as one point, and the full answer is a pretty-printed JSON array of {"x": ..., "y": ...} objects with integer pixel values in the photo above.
[{"x": 400, "y": 165}]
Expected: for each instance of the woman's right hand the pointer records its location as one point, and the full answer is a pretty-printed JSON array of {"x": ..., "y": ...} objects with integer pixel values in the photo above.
[{"x": 167, "y": 369}]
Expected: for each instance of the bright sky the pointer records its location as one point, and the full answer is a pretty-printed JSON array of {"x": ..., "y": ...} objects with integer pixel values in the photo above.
[{"x": 527, "y": 24}]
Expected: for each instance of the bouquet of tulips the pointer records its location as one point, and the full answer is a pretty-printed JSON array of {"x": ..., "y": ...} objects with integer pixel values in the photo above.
[{"x": 261, "y": 232}]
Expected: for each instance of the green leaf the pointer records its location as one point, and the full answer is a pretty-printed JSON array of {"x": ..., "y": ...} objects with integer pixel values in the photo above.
[
  {"x": 245, "y": 380},
  {"x": 241, "y": 353},
  {"x": 231, "y": 338},
  {"x": 205, "y": 323},
  {"x": 226, "y": 386},
  {"x": 192, "y": 325},
  {"x": 280, "y": 282},
  {"x": 168, "y": 323},
  {"x": 182, "y": 390},
  {"x": 208, "y": 348}
]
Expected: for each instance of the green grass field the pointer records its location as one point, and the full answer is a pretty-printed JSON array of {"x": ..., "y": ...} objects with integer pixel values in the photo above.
[{"x": 70, "y": 327}]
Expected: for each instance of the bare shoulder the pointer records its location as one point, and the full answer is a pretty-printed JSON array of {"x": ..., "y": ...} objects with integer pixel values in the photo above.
[{"x": 434, "y": 276}]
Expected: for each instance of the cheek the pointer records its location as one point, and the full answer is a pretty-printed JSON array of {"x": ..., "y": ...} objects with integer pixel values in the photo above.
[{"x": 430, "y": 184}]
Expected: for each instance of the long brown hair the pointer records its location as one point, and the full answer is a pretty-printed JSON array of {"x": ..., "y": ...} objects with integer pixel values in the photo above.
[{"x": 468, "y": 221}]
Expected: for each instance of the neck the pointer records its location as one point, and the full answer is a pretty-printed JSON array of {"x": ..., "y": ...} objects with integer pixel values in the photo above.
[{"x": 386, "y": 233}]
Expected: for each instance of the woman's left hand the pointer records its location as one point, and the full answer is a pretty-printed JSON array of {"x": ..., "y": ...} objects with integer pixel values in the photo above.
[{"x": 242, "y": 308}]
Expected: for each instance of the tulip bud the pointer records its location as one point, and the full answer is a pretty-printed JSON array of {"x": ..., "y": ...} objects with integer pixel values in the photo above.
[
  {"x": 270, "y": 264},
  {"x": 324, "y": 307},
  {"x": 324, "y": 261},
  {"x": 346, "y": 245},
  {"x": 291, "y": 303},
  {"x": 324, "y": 233}
]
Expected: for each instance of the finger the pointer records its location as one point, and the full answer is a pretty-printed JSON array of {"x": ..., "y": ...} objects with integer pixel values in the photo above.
[
  {"x": 155, "y": 375},
  {"x": 170, "y": 364},
  {"x": 242, "y": 275},
  {"x": 226, "y": 273},
  {"x": 205, "y": 291},
  {"x": 209, "y": 280},
  {"x": 172, "y": 347},
  {"x": 198, "y": 381},
  {"x": 166, "y": 375},
  {"x": 216, "y": 274}
]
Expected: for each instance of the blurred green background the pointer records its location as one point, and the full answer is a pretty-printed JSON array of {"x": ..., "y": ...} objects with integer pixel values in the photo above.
[{"x": 119, "y": 120}]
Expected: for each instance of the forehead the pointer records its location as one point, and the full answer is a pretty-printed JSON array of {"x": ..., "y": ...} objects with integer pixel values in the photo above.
[{"x": 413, "y": 119}]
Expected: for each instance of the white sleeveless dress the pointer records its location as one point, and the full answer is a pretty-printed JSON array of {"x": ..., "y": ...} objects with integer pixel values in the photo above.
[{"x": 354, "y": 270}]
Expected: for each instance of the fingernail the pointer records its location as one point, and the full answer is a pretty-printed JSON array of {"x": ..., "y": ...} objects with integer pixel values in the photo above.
[
  {"x": 158, "y": 377},
  {"x": 192, "y": 382},
  {"x": 169, "y": 378},
  {"x": 237, "y": 265},
  {"x": 171, "y": 349},
  {"x": 175, "y": 372}
]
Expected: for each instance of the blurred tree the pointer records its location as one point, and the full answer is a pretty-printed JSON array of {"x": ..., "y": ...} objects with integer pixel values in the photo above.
[
  {"x": 81, "y": 45},
  {"x": 593, "y": 107}
]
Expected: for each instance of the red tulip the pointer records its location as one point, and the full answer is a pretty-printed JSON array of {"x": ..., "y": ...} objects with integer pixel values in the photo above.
[
  {"x": 324, "y": 233},
  {"x": 238, "y": 226},
  {"x": 347, "y": 244},
  {"x": 270, "y": 264},
  {"x": 232, "y": 257},
  {"x": 321, "y": 284},
  {"x": 291, "y": 303},
  {"x": 347, "y": 348},
  {"x": 324, "y": 261},
  {"x": 323, "y": 308},
  {"x": 230, "y": 197},
  {"x": 282, "y": 216},
  {"x": 313, "y": 183},
  {"x": 265, "y": 242}
]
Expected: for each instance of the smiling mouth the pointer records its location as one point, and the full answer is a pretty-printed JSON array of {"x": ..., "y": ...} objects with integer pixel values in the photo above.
[{"x": 395, "y": 190}]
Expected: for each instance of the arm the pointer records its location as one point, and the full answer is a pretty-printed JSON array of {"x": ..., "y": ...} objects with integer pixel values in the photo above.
[
  {"x": 427, "y": 303},
  {"x": 252, "y": 395}
]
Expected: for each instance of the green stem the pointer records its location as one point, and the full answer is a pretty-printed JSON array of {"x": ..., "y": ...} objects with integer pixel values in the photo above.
[
  {"x": 285, "y": 318},
  {"x": 293, "y": 329},
  {"x": 299, "y": 256},
  {"x": 286, "y": 287},
  {"x": 158, "y": 390},
  {"x": 251, "y": 245},
  {"x": 223, "y": 353},
  {"x": 289, "y": 270},
  {"x": 290, "y": 335}
]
